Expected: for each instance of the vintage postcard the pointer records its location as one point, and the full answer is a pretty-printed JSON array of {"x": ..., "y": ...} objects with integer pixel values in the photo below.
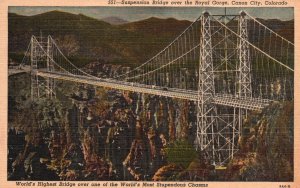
[{"x": 149, "y": 93}]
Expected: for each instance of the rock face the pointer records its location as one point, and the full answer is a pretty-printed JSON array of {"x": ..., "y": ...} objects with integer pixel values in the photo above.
[
  {"x": 167, "y": 172},
  {"x": 266, "y": 147}
]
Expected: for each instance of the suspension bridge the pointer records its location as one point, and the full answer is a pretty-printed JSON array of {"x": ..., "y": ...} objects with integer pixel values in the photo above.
[{"x": 227, "y": 64}]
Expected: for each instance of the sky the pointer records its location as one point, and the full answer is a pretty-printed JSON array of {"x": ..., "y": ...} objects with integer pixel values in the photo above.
[{"x": 140, "y": 13}]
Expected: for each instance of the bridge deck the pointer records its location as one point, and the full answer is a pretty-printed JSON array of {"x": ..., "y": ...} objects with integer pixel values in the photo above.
[
  {"x": 18, "y": 70},
  {"x": 221, "y": 99}
]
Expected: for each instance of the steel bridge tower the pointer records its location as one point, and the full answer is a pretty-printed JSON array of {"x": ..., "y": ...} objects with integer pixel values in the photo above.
[
  {"x": 41, "y": 57},
  {"x": 216, "y": 138},
  {"x": 207, "y": 112},
  {"x": 244, "y": 87},
  {"x": 244, "y": 79}
]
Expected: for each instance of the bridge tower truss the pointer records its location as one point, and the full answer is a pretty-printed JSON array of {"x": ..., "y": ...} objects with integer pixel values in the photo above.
[
  {"x": 244, "y": 78},
  {"x": 244, "y": 87},
  {"x": 217, "y": 133},
  {"x": 50, "y": 67},
  {"x": 207, "y": 125},
  {"x": 33, "y": 68},
  {"x": 41, "y": 55}
]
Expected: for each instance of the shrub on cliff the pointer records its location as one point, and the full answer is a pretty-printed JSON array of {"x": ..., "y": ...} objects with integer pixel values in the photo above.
[{"x": 180, "y": 153}]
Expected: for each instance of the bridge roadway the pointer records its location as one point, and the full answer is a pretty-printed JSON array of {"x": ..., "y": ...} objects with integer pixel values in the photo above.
[
  {"x": 219, "y": 99},
  {"x": 17, "y": 70}
]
